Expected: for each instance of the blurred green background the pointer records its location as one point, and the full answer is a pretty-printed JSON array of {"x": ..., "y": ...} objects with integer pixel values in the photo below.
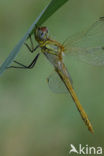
[{"x": 33, "y": 120}]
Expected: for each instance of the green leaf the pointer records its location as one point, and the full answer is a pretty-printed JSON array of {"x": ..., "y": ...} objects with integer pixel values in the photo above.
[{"x": 45, "y": 14}]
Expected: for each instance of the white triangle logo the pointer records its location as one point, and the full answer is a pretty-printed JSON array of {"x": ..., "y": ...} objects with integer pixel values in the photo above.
[{"x": 73, "y": 149}]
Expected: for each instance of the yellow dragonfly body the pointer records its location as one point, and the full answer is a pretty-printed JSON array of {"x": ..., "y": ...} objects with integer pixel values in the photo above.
[
  {"x": 87, "y": 45},
  {"x": 53, "y": 50}
]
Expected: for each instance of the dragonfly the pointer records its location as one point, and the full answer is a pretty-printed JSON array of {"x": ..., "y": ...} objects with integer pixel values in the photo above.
[{"x": 88, "y": 45}]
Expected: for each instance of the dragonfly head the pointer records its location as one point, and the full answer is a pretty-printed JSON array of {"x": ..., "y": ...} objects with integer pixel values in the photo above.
[{"x": 41, "y": 34}]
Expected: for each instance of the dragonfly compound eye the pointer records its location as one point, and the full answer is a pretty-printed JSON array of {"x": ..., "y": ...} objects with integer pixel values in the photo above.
[{"x": 42, "y": 33}]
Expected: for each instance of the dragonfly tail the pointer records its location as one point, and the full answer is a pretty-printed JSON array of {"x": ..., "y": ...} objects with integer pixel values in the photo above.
[
  {"x": 80, "y": 108},
  {"x": 83, "y": 114}
]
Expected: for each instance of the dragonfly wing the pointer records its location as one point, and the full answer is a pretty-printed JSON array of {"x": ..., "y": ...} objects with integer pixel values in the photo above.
[
  {"x": 56, "y": 84},
  {"x": 94, "y": 56},
  {"x": 89, "y": 45}
]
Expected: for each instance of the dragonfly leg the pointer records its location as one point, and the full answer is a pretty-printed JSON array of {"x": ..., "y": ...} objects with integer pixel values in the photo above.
[
  {"x": 31, "y": 49},
  {"x": 22, "y": 66}
]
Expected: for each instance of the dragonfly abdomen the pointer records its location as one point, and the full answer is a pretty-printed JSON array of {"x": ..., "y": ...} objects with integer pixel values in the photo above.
[{"x": 64, "y": 76}]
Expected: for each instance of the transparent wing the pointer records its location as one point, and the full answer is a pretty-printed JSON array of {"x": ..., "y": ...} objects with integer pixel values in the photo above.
[
  {"x": 88, "y": 45},
  {"x": 56, "y": 84}
]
